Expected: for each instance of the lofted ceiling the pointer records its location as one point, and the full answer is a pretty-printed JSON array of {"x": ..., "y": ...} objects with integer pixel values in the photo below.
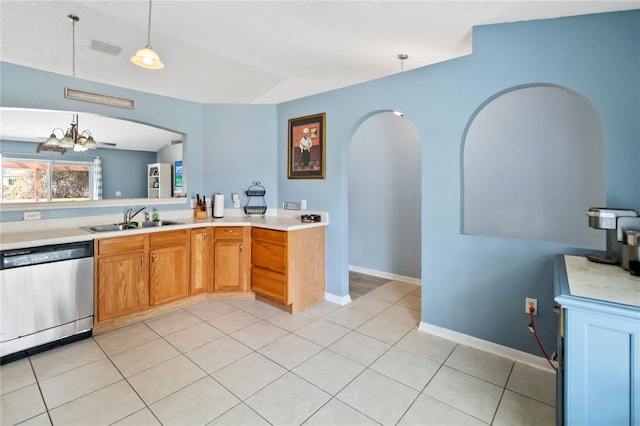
[
  {"x": 244, "y": 51},
  {"x": 256, "y": 51}
]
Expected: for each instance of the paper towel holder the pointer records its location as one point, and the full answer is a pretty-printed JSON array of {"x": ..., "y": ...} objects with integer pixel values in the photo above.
[
  {"x": 257, "y": 192},
  {"x": 217, "y": 207}
]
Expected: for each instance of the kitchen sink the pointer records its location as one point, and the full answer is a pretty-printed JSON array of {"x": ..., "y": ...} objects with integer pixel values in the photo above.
[
  {"x": 160, "y": 223},
  {"x": 133, "y": 225},
  {"x": 112, "y": 227}
]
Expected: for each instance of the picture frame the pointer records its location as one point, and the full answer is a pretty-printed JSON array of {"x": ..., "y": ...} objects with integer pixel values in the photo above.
[{"x": 306, "y": 147}]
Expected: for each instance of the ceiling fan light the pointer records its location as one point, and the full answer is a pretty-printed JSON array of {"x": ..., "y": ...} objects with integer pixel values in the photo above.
[{"x": 147, "y": 58}]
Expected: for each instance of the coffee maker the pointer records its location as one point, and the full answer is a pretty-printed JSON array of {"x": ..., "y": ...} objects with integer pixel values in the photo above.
[{"x": 618, "y": 223}]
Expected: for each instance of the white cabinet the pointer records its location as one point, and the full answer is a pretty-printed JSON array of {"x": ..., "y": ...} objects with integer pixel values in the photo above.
[{"x": 159, "y": 180}]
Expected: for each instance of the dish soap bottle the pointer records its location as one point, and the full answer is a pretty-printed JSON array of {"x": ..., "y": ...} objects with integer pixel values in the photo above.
[{"x": 155, "y": 216}]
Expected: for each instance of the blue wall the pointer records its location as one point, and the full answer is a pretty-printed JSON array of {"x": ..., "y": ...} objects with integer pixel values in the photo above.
[
  {"x": 471, "y": 284},
  {"x": 240, "y": 147}
]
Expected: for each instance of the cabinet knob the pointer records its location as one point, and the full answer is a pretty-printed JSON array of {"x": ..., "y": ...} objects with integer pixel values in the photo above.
[
  {"x": 240, "y": 247},
  {"x": 141, "y": 260}
]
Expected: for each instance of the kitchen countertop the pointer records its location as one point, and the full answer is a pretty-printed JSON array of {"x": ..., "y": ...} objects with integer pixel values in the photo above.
[
  {"x": 584, "y": 281},
  {"x": 40, "y": 237}
]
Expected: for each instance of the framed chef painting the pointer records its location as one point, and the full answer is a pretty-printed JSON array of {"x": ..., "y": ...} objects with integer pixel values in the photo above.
[{"x": 306, "y": 158}]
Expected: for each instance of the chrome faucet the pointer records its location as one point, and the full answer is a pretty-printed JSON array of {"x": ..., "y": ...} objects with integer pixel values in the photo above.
[{"x": 128, "y": 215}]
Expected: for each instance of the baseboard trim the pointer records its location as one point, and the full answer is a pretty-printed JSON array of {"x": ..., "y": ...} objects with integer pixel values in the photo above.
[
  {"x": 485, "y": 345},
  {"x": 387, "y": 275},
  {"x": 340, "y": 300}
]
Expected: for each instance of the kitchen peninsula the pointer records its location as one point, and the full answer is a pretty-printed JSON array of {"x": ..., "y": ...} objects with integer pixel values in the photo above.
[{"x": 143, "y": 272}]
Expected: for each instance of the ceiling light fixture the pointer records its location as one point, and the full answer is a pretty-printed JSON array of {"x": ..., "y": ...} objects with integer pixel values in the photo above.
[
  {"x": 147, "y": 57},
  {"x": 403, "y": 57},
  {"x": 79, "y": 141}
]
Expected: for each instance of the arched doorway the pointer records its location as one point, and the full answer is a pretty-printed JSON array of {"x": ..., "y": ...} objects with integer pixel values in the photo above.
[{"x": 384, "y": 175}]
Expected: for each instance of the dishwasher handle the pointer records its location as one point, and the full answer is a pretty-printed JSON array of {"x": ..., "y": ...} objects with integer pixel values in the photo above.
[{"x": 18, "y": 258}]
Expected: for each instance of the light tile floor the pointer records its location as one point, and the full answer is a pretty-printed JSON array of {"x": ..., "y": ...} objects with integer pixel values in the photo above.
[{"x": 247, "y": 363}]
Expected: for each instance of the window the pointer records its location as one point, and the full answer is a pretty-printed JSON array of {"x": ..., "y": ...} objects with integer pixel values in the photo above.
[{"x": 27, "y": 180}]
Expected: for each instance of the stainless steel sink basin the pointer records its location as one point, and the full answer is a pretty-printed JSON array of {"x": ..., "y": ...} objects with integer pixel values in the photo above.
[
  {"x": 133, "y": 225},
  {"x": 112, "y": 227},
  {"x": 160, "y": 223}
]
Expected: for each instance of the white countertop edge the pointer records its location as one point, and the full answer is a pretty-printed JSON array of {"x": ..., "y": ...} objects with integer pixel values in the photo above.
[
  {"x": 606, "y": 283},
  {"x": 53, "y": 233}
]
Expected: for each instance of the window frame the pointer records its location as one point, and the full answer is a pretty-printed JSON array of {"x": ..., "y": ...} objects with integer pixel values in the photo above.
[{"x": 51, "y": 164}]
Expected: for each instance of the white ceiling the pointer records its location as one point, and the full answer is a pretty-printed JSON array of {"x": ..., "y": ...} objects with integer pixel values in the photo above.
[{"x": 256, "y": 51}]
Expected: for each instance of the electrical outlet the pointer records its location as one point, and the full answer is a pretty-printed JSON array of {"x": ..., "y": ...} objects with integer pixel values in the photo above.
[
  {"x": 530, "y": 302},
  {"x": 193, "y": 203},
  {"x": 303, "y": 204},
  {"x": 290, "y": 205},
  {"x": 31, "y": 216}
]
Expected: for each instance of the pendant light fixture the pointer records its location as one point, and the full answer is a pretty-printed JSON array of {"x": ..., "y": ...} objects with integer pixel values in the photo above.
[
  {"x": 403, "y": 57},
  {"x": 147, "y": 57},
  {"x": 79, "y": 141}
]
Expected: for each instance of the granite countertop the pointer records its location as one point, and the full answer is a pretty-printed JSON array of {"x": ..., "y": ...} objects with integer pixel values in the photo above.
[
  {"x": 59, "y": 235},
  {"x": 601, "y": 282}
]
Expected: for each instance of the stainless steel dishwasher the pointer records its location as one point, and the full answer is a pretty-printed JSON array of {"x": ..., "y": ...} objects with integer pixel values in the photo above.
[{"x": 46, "y": 297}]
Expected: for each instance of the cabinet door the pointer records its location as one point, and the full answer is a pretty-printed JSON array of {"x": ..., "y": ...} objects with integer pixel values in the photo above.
[
  {"x": 169, "y": 274},
  {"x": 231, "y": 266},
  {"x": 602, "y": 378},
  {"x": 121, "y": 285},
  {"x": 201, "y": 261}
]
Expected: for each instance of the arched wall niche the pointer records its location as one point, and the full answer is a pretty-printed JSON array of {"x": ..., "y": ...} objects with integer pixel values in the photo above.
[{"x": 532, "y": 163}]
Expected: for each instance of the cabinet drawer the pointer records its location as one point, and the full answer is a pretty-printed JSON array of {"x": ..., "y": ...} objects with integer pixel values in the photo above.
[
  {"x": 269, "y": 256},
  {"x": 120, "y": 244},
  {"x": 228, "y": 232},
  {"x": 269, "y": 235},
  {"x": 169, "y": 238},
  {"x": 270, "y": 284}
]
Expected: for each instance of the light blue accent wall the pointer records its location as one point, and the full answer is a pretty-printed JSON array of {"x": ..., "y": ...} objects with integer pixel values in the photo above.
[
  {"x": 384, "y": 196},
  {"x": 472, "y": 284},
  {"x": 240, "y": 147}
]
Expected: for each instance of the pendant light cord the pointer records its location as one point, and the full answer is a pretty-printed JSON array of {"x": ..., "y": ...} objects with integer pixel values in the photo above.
[
  {"x": 149, "y": 27},
  {"x": 73, "y": 19}
]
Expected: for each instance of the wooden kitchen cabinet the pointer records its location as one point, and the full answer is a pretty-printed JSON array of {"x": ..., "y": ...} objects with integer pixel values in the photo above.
[
  {"x": 289, "y": 266},
  {"x": 169, "y": 266},
  {"x": 121, "y": 276},
  {"x": 232, "y": 255},
  {"x": 202, "y": 261}
]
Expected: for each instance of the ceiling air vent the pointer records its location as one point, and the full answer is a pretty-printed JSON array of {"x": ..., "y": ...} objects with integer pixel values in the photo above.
[{"x": 105, "y": 48}]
